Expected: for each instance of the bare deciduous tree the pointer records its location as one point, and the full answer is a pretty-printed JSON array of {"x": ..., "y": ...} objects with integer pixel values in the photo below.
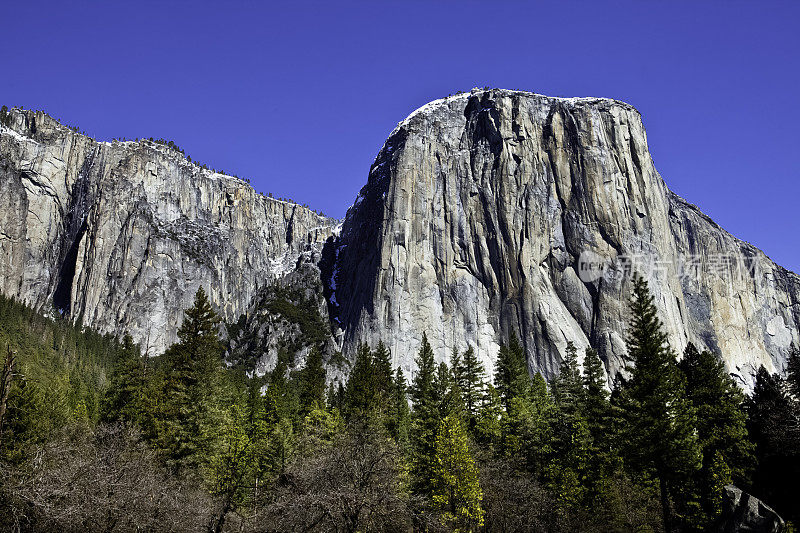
[
  {"x": 104, "y": 479},
  {"x": 352, "y": 485}
]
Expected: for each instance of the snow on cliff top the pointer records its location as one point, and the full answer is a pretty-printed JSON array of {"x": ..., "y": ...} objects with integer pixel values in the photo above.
[{"x": 430, "y": 106}]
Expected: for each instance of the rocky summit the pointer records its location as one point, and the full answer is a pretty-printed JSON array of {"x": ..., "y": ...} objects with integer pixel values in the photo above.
[{"x": 485, "y": 214}]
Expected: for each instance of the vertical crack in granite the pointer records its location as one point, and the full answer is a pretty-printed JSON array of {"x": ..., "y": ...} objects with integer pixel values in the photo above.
[{"x": 74, "y": 229}]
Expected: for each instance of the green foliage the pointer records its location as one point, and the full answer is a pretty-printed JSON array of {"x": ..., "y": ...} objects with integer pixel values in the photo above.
[
  {"x": 335, "y": 396},
  {"x": 293, "y": 305},
  {"x": 793, "y": 373},
  {"x": 234, "y": 463},
  {"x": 511, "y": 371},
  {"x": 382, "y": 369},
  {"x": 61, "y": 372},
  {"x": 125, "y": 398},
  {"x": 361, "y": 392},
  {"x": 525, "y": 423},
  {"x": 471, "y": 380},
  {"x": 456, "y": 488},
  {"x": 567, "y": 387},
  {"x": 595, "y": 397},
  {"x": 488, "y": 427},
  {"x": 570, "y": 438},
  {"x": 447, "y": 393},
  {"x": 398, "y": 416},
  {"x": 659, "y": 437},
  {"x": 312, "y": 377},
  {"x": 774, "y": 429},
  {"x": 320, "y": 428},
  {"x": 425, "y": 419},
  {"x": 604, "y": 462},
  {"x": 188, "y": 395},
  {"x": 721, "y": 427},
  {"x": 275, "y": 450}
]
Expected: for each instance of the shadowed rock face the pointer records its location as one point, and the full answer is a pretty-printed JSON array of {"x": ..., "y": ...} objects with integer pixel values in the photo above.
[
  {"x": 121, "y": 235},
  {"x": 476, "y": 215},
  {"x": 484, "y": 214},
  {"x": 743, "y": 513}
]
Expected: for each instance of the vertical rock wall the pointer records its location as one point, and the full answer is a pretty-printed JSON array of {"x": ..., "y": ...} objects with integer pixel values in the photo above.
[
  {"x": 120, "y": 235},
  {"x": 479, "y": 209}
]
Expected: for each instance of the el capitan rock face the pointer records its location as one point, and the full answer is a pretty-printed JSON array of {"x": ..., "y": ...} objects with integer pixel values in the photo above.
[
  {"x": 479, "y": 208},
  {"x": 473, "y": 224}
]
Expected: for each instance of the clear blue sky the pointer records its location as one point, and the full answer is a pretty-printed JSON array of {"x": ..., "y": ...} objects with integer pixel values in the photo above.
[{"x": 300, "y": 96}]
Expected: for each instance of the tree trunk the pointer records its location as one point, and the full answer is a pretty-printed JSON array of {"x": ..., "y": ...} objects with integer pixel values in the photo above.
[
  {"x": 6, "y": 378},
  {"x": 665, "y": 508},
  {"x": 218, "y": 523}
]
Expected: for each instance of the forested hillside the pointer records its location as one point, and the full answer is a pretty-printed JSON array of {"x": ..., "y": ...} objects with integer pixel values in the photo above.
[
  {"x": 60, "y": 372},
  {"x": 97, "y": 437}
]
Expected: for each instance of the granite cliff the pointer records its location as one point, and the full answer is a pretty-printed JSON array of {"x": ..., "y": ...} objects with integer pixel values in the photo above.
[
  {"x": 120, "y": 235},
  {"x": 485, "y": 214},
  {"x": 495, "y": 211}
]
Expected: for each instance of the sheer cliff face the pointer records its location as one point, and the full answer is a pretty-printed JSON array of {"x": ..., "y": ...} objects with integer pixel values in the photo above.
[
  {"x": 120, "y": 235},
  {"x": 485, "y": 214},
  {"x": 481, "y": 208}
]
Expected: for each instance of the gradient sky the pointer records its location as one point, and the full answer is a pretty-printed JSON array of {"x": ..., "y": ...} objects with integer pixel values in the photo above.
[{"x": 300, "y": 96}]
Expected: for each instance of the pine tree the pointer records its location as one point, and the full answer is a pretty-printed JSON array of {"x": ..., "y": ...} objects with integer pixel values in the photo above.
[
  {"x": 570, "y": 441},
  {"x": 281, "y": 401},
  {"x": 511, "y": 373},
  {"x": 774, "y": 429},
  {"x": 604, "y": 460},
  {"x": 398, "y": 418},
  {"x": 424, "y": 418},
  {"x": 721, "y": 426},
  {"x": 471, "y": 379},
  {"x": 567, "y": 387},
  {"x": 456, "y": 488},
  {"x": 659, "y": 433},
  {"x": 595, "y": 397},
  {"x": 360, "y": 392},
  {"x": 456, "y": 366},
  {"x": 125, "y": 397},
  {"x": 447, "y": 392},
  {"x": 198, "y": 335},
  {"x": 488, "y": 427},
  {"x": 280, "y": 416},
  {"x": 320, "y": 429},
  {"x": 793, "y": 373},
  {"x": 190, "y": 386},
  {"x": 312, "y": 386},
  {"x": 335, "y": 396},
  {"x": 7, "y": 375},
  {"x": 382, "y": 361},
  {"x": 526, "y": 427},
  {"x": 232, "y": 467}
]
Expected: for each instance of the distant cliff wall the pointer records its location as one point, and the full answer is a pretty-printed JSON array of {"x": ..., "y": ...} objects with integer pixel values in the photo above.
[{"x": 121, "y": 234}]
